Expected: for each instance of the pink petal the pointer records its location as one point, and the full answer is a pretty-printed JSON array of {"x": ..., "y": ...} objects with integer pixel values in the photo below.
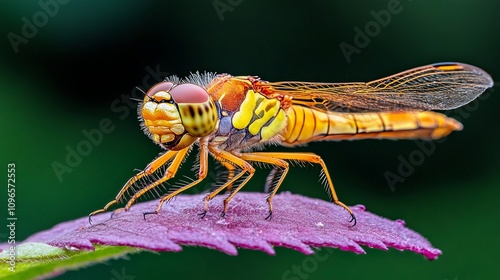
[{"x": 298, "y": 223}]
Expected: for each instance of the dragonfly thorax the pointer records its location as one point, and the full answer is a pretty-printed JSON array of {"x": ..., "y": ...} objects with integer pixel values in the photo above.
[{"x": 175, "y": 116}]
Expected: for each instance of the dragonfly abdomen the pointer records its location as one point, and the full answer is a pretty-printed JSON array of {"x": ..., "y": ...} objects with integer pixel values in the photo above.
[{"x": 307, "y": 125}]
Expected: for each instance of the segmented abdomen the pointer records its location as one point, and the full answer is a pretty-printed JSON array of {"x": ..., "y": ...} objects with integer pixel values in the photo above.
[{"x": 307, "y": 125}]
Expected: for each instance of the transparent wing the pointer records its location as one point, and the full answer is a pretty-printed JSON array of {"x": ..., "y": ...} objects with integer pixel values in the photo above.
[{"x": 441, "y": 86}]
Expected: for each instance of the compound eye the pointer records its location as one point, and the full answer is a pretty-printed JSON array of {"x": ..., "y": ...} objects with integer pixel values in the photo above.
[
  {"x": 189, "y": 93},
  {"x": 163, "y": 86}
]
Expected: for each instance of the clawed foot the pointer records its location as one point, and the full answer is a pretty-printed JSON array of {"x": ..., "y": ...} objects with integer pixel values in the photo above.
[
  {"x": 353, "y": 219},
  {"x": 202, "y": 214},
  {"x": 148, "y": 213},
  {"x": 103, "y": 210},
  {"x": 90, "y": 218},
  {"x": 269, "y": 216},
  {"x": 270, "y": 207},
  {"x": 223, "y": 214}
]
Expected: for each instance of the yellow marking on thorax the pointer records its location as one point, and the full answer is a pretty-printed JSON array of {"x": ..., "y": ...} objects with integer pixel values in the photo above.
[
  {"x": 242, "y": 118},
  {"x": 267, "y": 109},
  {"x": 256, "y": 111},
  {"x": 275, "y": 127}
]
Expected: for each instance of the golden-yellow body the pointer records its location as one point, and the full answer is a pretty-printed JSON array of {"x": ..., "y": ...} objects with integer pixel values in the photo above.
[{"x": 306, "y": 125}]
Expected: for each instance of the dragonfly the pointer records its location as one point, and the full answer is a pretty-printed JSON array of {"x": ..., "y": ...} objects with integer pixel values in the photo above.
[{"x": 233, "y": 118}]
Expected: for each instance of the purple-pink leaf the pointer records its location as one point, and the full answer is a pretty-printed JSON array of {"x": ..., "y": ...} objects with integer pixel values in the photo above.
[{"x": 298, "y": 223}]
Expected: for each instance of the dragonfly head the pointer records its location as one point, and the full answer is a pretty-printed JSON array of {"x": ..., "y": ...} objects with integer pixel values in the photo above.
[{"x": 176, "y": 115}]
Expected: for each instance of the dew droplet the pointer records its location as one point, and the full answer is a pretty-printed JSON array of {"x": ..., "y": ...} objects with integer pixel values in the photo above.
[
  {"x": 359, "y": 207},
  {"x": 222, "y": 222},
  {"x": 401, "y": 222}
]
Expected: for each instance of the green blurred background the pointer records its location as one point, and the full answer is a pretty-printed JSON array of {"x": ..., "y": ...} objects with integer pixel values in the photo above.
[{"x": 67, "y": 76}]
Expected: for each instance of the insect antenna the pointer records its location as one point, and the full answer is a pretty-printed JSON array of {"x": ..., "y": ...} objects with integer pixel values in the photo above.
[
  {"x": 141, "y": 90},
  {"x": 137, "y": 99}
]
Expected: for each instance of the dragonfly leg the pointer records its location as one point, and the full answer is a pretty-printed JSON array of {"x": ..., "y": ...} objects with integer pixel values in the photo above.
[
  {"x": 202, "y": 173},
  {"x": 150, "y": 169},
  {"x": 215, "y": 192},
  {"x": 230, "y": 168},
  {"x": 169, "y": 173},
  {"x": 235, "y": 161},
  {"x": 312, "y": 158},
  {"x": 271, "y": 184}
]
